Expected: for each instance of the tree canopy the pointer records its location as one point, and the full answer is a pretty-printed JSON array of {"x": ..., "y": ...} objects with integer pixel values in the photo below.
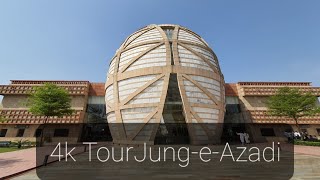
[
  {"x": 292, "y": 103},
  {"x": 50, "y": 100},
  {"x": 2, "y": 119}
]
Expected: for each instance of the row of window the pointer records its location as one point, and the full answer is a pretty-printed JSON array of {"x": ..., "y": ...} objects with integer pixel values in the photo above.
[{"x": 38, "y": 132}]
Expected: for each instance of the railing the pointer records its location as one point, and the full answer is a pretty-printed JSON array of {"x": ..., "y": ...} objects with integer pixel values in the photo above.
[
  {"x": 274, "y": 83},
  {"x": 25, "y": 89},
  {"x": 31, "y": 82},
  {"x": 268, "y": 91}
]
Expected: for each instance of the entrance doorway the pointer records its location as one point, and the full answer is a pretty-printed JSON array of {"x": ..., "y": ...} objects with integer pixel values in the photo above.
[
  {"x": 173, "y": 128},
  {"x": 96, "y": 132}
]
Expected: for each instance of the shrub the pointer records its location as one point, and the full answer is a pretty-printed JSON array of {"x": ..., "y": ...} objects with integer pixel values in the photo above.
[
  {"x": 23, "y": 143},
  {"x": 307, "y": 143}
]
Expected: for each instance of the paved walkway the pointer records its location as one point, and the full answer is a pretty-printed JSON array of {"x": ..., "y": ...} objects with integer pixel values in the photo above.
[
  {"x": 22, "y": 160},
  {"x": 17, "y": 161},
  {"x": 309, "y": 150},
  {"x": 307, "y": 163},
  {"x": 306, "y": 167}
]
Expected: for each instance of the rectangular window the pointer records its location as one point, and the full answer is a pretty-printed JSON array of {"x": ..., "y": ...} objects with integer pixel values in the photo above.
[
  {"x": 20, "y": 133},
  {"x": 318, "y": 130},
  {"x": 168, "y": 32},
  {"x": 38, "y": 133},
  {"x": 267, "y": 132},
  {"x": 3, "y": 132},
  {"x": 61, "y": 132}
]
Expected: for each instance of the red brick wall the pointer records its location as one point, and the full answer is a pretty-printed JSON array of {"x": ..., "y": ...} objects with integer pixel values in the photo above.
[
  {"x": 96, "y": 89},
  {"x": 231, "y": 89}
]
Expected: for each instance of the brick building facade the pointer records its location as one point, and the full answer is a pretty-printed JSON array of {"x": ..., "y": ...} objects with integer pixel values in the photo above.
[{"x": 245, "y": 103}]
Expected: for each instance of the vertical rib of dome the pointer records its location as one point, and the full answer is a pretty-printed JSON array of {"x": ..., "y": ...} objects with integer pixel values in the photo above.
[{"x": 138, "y": 81}]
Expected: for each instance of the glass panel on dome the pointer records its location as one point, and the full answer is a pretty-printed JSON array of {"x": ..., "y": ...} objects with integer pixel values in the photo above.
[
  {"x": 173, "y": 129},
  {"x": 168, "y": 32}
]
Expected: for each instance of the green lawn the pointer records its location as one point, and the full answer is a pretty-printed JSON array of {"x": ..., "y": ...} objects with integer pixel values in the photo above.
[
  {"x": 307, "y": 143},
  {"x": 9, "y": 149}
]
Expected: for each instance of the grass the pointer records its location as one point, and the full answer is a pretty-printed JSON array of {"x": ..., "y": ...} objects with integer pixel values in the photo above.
[
  {"x": 10, "y": 149},
  {"x": 307, "y": 143}
]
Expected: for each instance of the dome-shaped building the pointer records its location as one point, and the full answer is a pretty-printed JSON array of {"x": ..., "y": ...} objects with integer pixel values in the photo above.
[{"x": 165, "y": 82}]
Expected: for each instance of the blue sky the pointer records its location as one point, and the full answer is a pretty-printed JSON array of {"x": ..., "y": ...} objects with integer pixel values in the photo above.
[{"x": 74, "y": 40}]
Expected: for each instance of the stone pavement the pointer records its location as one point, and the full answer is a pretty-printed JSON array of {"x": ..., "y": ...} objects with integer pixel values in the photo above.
[
  {"x": 306, "y": 167},
  {"x": 23, "y": 160},
  {"x": 306, "y": 161},
  {"x": 17, "y": 161},
  {"x": 309, "y": 150}
]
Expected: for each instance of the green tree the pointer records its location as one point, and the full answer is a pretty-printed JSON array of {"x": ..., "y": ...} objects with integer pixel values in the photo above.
[
  {"x": 49, "y": 100},
  {"x": 290, "y": 102},
  {"x": 2, "y": 119}
]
